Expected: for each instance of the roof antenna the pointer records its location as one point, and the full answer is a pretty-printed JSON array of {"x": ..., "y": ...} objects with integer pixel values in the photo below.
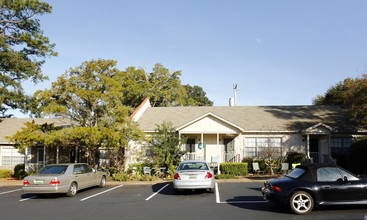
[
  {"x": 233, "y": 100},
  {"x": 235, "y": 93}
]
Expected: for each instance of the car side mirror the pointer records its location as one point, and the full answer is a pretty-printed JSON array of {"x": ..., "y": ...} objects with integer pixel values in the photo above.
[{"x": 345, "y": 179}]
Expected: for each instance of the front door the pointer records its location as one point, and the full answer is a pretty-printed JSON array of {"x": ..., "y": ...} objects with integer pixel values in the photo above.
[{"x": 314, "y": 150}]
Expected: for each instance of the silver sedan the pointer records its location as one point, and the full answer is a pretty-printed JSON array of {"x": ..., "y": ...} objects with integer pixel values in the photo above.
[
  {"x": 193, "y": 175},
  {"x": 64, "y": 178}
]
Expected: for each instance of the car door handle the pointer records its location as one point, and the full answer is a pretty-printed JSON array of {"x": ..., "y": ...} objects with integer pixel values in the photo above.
[{"x": 326, "y": 186}]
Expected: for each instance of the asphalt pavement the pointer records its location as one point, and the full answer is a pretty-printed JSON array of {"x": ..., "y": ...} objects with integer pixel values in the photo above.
[{"x": 232, "y": 200}]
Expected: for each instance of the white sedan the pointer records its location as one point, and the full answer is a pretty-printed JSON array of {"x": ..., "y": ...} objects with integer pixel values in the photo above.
[{"x": 193, "y": 175}]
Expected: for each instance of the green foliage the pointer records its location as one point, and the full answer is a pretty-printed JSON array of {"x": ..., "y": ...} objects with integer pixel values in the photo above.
[
  {"x": 23, "y": 48},
  {"x": 19, "y": 171},
  {"x": 249, "y": 161},
  {"x": 238, "y": 169},
  {"x": 295, "y": 157},
  {"x": 357, "y": 156},
  {"x": 166, "y": 146},
  {"x": 91, "y": 97},
  {"x": 6, "y": 173},
  {"x": 163, "y": 87},
  {"x": 197, "y": 96},
  {"x": 31, "y": 134},
  {"x": 350, "y": 94},
  {"x": 225, "y": 176}
]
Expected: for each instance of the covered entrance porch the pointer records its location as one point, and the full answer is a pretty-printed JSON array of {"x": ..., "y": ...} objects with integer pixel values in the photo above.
[
  {"x": 212, "y": 139},
  {"x": 318, "y": 143}
]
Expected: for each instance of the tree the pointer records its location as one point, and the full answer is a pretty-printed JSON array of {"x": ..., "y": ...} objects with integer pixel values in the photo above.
[
  {"x": 197, "y": 96},
  {"x": 161, "y": 86},
  {"x": 23, "y": 48},
  {"x": 166, "y": 146},
  {"x": 91, "y": 97},
  {"x": 350, "y": 94},
  {"x": 30, "y": 135}
]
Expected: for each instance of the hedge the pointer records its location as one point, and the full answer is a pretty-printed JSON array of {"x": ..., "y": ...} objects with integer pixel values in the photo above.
[
  {"x": 238, "y": 169},
  {"x": 357, "y": 156},
  {"x": 5, "y": 173}
]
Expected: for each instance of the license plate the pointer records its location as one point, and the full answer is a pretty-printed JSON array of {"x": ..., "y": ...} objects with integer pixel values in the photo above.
[
  {"x": 192, "y": 177},
  {"x": 38, "y": 182}
]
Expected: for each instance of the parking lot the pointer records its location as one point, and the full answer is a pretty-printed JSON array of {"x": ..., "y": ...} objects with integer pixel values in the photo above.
[{"x": 158, "y": 201}]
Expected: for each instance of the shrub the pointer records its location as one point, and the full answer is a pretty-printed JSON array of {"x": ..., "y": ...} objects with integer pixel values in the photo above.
[
  {"x": 238, "y": 169},
  {"x": 357, "y": 156},
  {"x": 19, "y": 171},
  {"x": 225, "y": 176},
  {"x": 5, "y": 173},
  {"x": 249, "y": 161},
  {"x": 122, "y": 176},
  {"x": 296, "y": 157}
]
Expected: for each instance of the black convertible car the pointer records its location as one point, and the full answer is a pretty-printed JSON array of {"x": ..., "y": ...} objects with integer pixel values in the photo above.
[{"x": 316, "y": 184}]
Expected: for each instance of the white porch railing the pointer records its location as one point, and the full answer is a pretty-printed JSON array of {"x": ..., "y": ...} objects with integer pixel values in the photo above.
[
  {"x": 227, "y": 157},
  {"x": 193, "y": 156},
  {"x": 231, "y": 157}
]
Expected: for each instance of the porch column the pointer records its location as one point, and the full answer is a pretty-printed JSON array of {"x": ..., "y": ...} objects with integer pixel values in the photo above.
[
  {"x": 202, "y": 142},
  {"x": 218, "y": 155},
  {"x": 308, "y": 146},
  {"x": 25, "y": 159}
]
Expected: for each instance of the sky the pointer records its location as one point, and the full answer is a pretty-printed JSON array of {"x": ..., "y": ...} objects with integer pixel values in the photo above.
[{"x": 282, "y": 52}]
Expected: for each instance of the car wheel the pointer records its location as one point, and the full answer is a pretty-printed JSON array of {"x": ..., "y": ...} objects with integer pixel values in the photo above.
[
  {"x": 176, "y": 191},
  {"x": 72, "y": 189},
  {"x": 211, "y": 190},
  {"x": 103, "y": 182},
  {"x": 301, "y": 203}
]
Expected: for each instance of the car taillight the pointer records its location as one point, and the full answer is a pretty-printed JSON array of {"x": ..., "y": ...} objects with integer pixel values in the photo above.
[
  {"x": 275, "y": 188},
  {"x": 55, "y": 181},
  {"x": 208, "y": 175},
  {"x": 25, "y": 182},
  {"x": 177, "y": 177}
]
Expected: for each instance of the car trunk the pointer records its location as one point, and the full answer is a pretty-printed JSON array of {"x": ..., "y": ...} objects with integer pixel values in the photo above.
[{"x": 193, "y": 175}]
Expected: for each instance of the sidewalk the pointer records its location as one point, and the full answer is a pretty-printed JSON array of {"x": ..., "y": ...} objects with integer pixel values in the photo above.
[{"x": 241, "y": 179}]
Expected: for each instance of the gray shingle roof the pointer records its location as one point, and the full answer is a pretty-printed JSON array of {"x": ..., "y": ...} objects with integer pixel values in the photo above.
[
  {"x": 254, "y": 118},
  {"x": 10, "y": 126}
]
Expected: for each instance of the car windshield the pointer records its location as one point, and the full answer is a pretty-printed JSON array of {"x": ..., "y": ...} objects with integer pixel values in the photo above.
[
  {"x": 295, "y": 173},
  {"x": 193, "y": 166},
  {"x": 53, "y": 170}
]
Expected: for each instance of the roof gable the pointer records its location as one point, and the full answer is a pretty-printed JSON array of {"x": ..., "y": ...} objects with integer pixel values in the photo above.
[
  {"x": 319, "y": 128},
  {"x": 210, "y": 123}
]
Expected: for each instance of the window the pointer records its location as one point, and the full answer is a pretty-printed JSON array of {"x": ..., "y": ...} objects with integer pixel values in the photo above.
[
  {"x": 193, "y": 166},
  {"x": 254, "y": 145},
  {"x": 53, "y": 170},
  {"x": 11, "y": 156},
  {"x": 340, "y": 145},
  {"x": 88, "y": 169},
  {"x": 350, "y": 176},
  {"x": 328, "y": 174},
  {"x": 296, "y": 173}
]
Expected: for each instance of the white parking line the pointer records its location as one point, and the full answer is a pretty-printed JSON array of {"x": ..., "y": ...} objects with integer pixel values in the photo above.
[
  {"x": 10, "y": 191},
  {"x": 27, "y": 198},
  {"x": 101, "y": 193},
  {"x": 156, "y": 192},
  {"x": 217, "y": 193},
  {"x": 232, "y": 202}
]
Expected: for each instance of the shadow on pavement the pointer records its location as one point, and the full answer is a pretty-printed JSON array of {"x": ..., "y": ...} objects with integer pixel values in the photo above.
[{"x": 168, "y": 190}]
